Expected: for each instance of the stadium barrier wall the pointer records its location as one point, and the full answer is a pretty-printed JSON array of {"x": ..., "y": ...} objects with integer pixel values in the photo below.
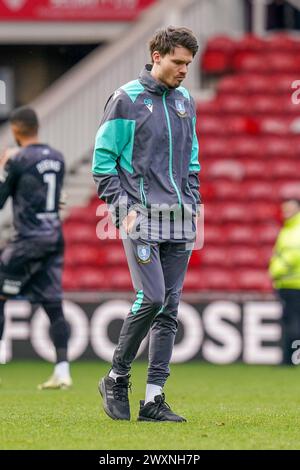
[{"x": 216, "y": 331}]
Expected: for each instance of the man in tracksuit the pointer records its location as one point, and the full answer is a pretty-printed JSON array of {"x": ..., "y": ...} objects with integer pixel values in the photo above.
[{"x": 146, "y": 169}]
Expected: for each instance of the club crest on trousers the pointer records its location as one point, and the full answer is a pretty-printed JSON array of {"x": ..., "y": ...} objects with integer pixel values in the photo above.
[{"x": 144, "y": 253}]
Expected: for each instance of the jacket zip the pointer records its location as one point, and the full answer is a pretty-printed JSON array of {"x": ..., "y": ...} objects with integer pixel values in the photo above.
[
  {"x": 142, "y": 192},
  {"x": 171, "y": 150}
]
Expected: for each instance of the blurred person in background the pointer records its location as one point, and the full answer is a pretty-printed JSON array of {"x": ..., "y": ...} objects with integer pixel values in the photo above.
[
  {"x": 146, "y": 152},
  {"x": 31, "y": 264},
  {"x": 285, "y": 272}
]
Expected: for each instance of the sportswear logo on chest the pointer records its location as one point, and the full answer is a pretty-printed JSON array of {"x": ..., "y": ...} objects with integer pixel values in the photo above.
[
  {"x": 149, "y": 103},
  {"x": 180, "y": 108}
]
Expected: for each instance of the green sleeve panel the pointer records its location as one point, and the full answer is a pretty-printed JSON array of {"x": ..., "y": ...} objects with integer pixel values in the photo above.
[
  {"x": 133, "y": 89},
  {"x": 114, "y": 140},
  {"x": 184, "y": 91},
  {"x": 194, "y": 163}
]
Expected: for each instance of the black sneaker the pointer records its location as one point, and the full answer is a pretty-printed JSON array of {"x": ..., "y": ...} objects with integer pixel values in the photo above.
[
  {"x": 115, "y": 396},
  {"x": 158, "y": 410}
]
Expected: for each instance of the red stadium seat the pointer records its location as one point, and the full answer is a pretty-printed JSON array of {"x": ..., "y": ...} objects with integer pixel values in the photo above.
[
  {"x": 250, "y": 62},
  {"x": 267, "y": 233},
  {"x": 288, "y": 107},
  {"x": 119, "y": 279},
  {"x": 244, "y": 256},
  {"x": 70, "y": 282},
  {"x": 82, "y": 215},
  {"x": 92, "y": 279},
  {"x": 85, "y": 279},
  {"x": 251, "y": 42},
  {"x": 224, "y": 212},
  {"x": 246, "y": 147},
  {"x": 281, "y": 168},
  {"x": 232, "y": 84},
  {"x": 114, "y": 255},
  {"x": 229, "y": 125},
  {"x": 264, "y": 104},
  {"x": 240, "y": 125},
  {"x": 255, "y": 169},
  {"x": 214, "y": 256},
  {"x": 225, "y": 169},
  {"x": 282, "y": 42},
  {"x": 207, "y": 191},
  {"x": 261, "y": 190},
  {"x": 264, "y": 211},
  {"x": 281, "y": 83},
  {"x": 234, "y": 212},
  {"x": 289, "y": 190},
  {"x": 221, "y": 43},
  {"x": 213, "y": 234},
  {"x": 265, "y": 254},
  {"x": 217, "y": 55},
  {"x": 258, "y": 211},
  {"x": 86, "y": 255},
  {"x": 255, "y": 83},
  {"x": 253, "y": 280},
  {"x": 276, "y": 125},
  {"x": 215, "y": 147},
  {"x": 282, "y": 62},
  {"x": 78, "y": 232},
  {"x": 194, "y": 281},
  {"x": 226, "y": 190},
  {"x": 251, "y": 83},
  {"x": 215, "y": 62},
  {"x": 213, "y": 213},
  {"x": 95, "y": 202},
  {"x": 196, "y": 257},
  {"x": 209, "y": 125},
  {"x": 233, "y": 104},
  {"x": 242, "y": 234},
  {"x": 277, "y": 147},
  {"x": 249, "y": 257},
  {"x": 208, "y": 107},
  {"x": 218, "y": 279},
  {"x": 256, "y": 62}
]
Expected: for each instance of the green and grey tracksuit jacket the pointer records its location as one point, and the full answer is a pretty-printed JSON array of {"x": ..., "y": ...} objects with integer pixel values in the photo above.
[{"x": 146, "y": 149}]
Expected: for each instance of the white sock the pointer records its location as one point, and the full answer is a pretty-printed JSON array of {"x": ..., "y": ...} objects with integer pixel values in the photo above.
[
  {"x": 2, "y": 352},
  {"x": 151, "y": 392},
  {"x": 114, "y": 375},
  {"x": 62, "y": 369}
]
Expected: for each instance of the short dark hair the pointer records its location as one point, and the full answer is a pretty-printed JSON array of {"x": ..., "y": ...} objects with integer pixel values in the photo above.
[
  {"x": 26, "y": 119},
  {"x": 165, "y": 40}
]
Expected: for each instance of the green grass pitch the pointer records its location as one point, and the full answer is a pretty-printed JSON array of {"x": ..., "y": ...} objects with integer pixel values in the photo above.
[{"x": 227, "y": 407}]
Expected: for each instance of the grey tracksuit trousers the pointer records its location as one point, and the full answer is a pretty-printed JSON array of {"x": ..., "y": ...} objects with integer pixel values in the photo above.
[{"x": 157, "y": 270}]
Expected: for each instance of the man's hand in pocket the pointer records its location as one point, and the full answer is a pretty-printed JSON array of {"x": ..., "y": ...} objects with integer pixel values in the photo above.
[{"x": 129, "y": 221}]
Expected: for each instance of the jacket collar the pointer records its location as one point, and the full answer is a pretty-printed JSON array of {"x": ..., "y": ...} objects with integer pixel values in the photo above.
[{"x": 149, "y": 82}]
